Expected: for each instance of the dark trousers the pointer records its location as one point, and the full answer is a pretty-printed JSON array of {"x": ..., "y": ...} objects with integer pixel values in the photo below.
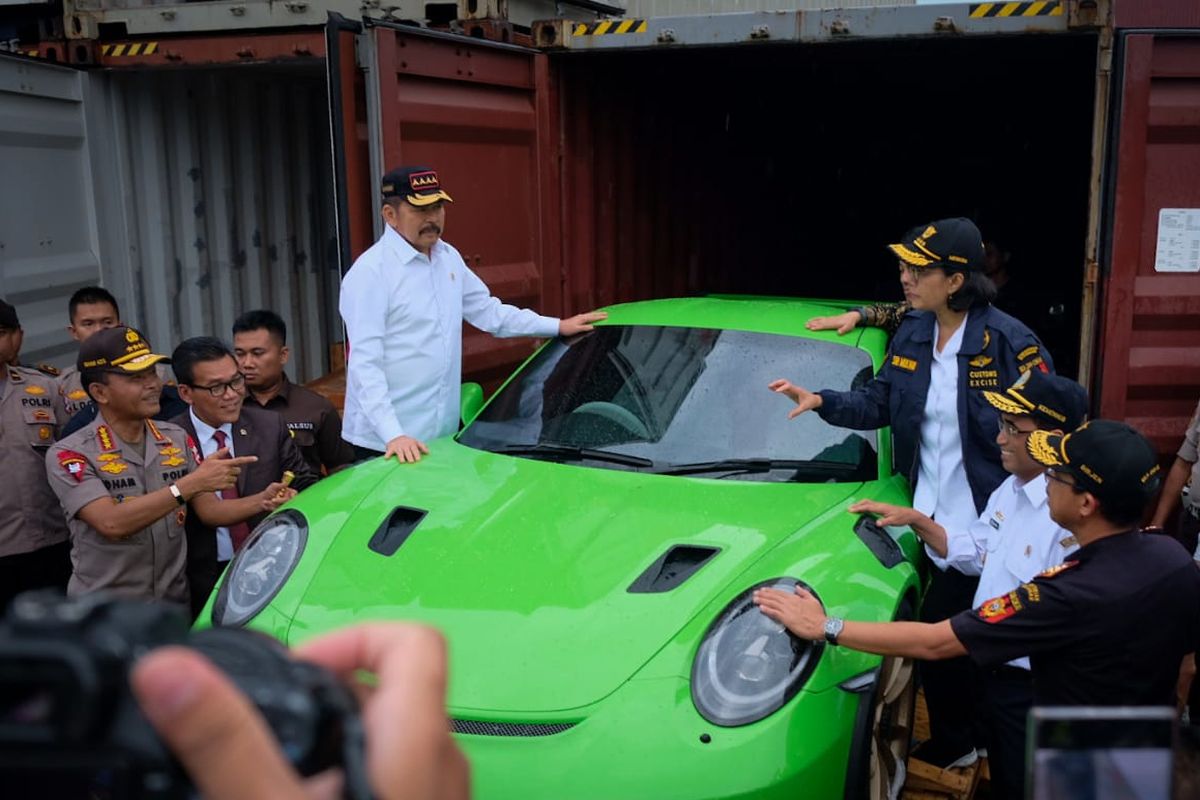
[
  {"x": 1008, "y": 696},
  {"x": 364, "y": 453},
  {"x": 951, "y": 686},
  {"x": 202, "y": 575},
  {"x": 47, "y": 568}
]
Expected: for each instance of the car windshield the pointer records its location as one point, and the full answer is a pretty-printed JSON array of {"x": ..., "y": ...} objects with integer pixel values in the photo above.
[{"x": 682, "y": 401}]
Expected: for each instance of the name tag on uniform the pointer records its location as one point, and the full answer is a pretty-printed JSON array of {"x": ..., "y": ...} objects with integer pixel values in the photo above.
[{"x": 906, "y": 364}]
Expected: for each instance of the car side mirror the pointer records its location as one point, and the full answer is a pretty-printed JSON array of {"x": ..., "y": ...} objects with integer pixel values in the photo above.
[{"x": 470, "y": 401}]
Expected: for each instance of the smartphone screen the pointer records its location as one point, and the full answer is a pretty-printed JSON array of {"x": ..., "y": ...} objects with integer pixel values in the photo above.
[{"x": 1096, "y": 753}]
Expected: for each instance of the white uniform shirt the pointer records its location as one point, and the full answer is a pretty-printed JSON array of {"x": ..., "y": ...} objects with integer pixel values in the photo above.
[
  {"x": 403, "y": 313},
  {"x": 1010, "y": 543},
  {"x": 208, "y": 446},
  {"x": 942, "y": 489}
]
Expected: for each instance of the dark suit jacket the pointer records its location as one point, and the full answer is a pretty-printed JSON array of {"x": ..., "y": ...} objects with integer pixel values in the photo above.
[{"x": 257, "y": 432}]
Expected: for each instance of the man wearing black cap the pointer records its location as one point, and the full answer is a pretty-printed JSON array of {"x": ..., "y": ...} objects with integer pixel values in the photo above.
[
  {"x": 34, "y": 552},
  {"x": 403, "y": 303},
  {"x": 1110, "y": 626},
  {"x": 1011, "y": 542},
  {"x": 124, "y": 481}
]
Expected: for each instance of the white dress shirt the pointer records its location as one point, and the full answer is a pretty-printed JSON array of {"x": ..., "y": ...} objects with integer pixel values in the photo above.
[
  {"x": 403, "y": 312},
  {"x": 942, "y": 489},
  {"x": 208, "y": 446},
  {"x": 1010, "y": 543}
]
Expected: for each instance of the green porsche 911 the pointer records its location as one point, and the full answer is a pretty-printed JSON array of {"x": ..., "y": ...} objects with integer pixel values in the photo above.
[{"x": 589, "y": 543}]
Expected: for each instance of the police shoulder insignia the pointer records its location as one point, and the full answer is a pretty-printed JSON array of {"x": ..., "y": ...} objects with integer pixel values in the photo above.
[
  {"x": 154, "y": 431},
  {"x": 170, "y": 450},
  {"x": 78, "y": 394},
  {"x": 73, "y": 464},
  {"x": 47, "y": 369},
  {"x": 172, "y": 461},
  {"x": 998, "y": 608},
  {"x": 106, "y": 457},
  {"x": 1063, "y": 567},
  {"x": 114, "y": 467},
  {"x": 15, "y": 376},
  {"x": 105, "y": 438},
  {"x": 34, "y": 390}
]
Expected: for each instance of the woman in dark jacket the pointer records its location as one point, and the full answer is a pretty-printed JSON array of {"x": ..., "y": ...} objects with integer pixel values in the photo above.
[{"x": 948, "y": 350}]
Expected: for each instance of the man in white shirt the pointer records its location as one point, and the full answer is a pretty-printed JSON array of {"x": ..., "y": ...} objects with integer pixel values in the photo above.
[
  {"x": 403, "y": 302},
  {"x": 1010, "y": 543}
]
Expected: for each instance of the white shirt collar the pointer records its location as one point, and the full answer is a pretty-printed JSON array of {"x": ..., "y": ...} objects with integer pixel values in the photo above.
[
  {"x": 1034, "y": 490},
  {"x": 205, "y": 431},
  {"x": 403, "y": 249}
]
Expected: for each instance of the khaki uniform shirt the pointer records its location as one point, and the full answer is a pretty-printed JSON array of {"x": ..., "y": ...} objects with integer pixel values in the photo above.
[
  {"x": 315, "y": 427},
  {"x": 92, "y": 464},
  {"x": 1190, "y": 452},
  {"x": 31, "y": 412},
  {"x": 70, "y": 386}
]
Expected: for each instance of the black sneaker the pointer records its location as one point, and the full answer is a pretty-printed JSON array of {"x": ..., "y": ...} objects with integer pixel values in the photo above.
[{"x": 945, "y": 755}]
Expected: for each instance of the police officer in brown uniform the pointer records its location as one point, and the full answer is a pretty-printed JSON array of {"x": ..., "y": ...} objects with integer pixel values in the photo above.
[
  {"x": 1182, "y": 488},
  {"x": 34, "y": 552},
  {"x": 90, "y": 309},
  {"x": 124, "y": 481},
  {"x": 260, "y": 344}
]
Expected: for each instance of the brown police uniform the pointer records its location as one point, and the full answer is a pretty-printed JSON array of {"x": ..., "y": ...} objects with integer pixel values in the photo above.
[
  {"x": 33, "y": 533},
  {"x": 315, "y": 426},
  {"x": 1189, "y": 451},
  {"x": 93, "y": 464},
  {"x": 70, "y": 386}
]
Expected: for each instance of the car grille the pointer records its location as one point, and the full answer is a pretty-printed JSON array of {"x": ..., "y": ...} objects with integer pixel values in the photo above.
[{"x": 479, "y": 728}]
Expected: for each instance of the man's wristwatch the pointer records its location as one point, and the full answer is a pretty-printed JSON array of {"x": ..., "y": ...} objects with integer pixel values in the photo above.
[
  {"x": 833, "y": 629},
  {"x": 178, "y": 495}
]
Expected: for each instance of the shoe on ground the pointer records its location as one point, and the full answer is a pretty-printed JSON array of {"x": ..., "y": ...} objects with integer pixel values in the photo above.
[{"x": 945, "y": 755}]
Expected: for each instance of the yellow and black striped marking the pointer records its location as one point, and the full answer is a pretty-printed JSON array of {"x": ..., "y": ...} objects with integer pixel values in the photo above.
[
  {"x": 609, "y": 26},
  {"x": 129, "y": 49},
  {"x": 1046, "y": 8}
]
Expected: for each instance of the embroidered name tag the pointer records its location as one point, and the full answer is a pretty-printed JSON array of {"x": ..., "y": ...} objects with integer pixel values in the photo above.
[{"x": 906, "y": 364}]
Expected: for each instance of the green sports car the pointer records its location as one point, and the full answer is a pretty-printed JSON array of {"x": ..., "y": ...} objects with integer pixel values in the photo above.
[{"x": 589, "y": 542}]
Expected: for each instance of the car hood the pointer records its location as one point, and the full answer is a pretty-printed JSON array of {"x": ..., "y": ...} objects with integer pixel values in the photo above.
[{"x": 526, "y": 566}]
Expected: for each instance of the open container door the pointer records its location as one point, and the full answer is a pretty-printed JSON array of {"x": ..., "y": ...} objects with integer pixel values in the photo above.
[
  {"x": 1149, "y": 353},
  {"x": 483, "y": 115}
]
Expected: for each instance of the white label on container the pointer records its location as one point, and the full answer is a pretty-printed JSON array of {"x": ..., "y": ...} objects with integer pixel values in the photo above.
[{"x": 1178, "y": 240}]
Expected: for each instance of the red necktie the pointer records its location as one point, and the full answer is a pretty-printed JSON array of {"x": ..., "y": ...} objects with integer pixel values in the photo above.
[{"x": 241, "y": 531}]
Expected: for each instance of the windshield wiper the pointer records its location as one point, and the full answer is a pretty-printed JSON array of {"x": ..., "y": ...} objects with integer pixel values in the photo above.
[
  {"x": 563, "y": 452},
  {"x": 752, "y": 465}
]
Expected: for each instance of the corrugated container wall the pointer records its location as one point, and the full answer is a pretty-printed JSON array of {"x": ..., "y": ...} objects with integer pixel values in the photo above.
[
  {"x": 226, "y": 185},
  {"x": 47, "y": 169}
]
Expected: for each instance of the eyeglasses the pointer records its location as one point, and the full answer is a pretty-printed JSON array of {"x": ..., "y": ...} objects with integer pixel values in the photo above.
[
  {"x": 916, "y": 272},
  {"x": 218, "y": 389},
  {"x": 1057, "y": 476},
  {"x": 1010, "y": 430}
]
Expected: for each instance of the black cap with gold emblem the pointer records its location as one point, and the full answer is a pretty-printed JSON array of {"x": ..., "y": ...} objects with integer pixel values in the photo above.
[
  {"x": 947, "y": 243},
  {"x": 1107, "y": 459},
  {"x": 119, "y": 349},
  {"x": 1052, "y": 400},
  {"x": 418, "y": 185}
]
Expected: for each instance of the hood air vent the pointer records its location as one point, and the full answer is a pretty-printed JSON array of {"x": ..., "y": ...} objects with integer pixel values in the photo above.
[
  {"x": 673, "y": 568},
  {"x": 396, "y": 529}
]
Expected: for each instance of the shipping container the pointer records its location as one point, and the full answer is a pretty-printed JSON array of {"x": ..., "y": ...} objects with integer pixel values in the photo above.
[{"x": 758, "y": 152}]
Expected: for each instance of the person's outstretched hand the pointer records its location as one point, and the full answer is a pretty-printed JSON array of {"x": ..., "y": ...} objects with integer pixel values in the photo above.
[
  {"x": 842, "y": 323},
  {"x": 804, "y": 399}
]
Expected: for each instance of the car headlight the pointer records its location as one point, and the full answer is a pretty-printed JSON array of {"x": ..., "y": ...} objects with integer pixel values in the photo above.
[
  {"x": 257, "y": 573},
  {"x": 749, "y": 665}
]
